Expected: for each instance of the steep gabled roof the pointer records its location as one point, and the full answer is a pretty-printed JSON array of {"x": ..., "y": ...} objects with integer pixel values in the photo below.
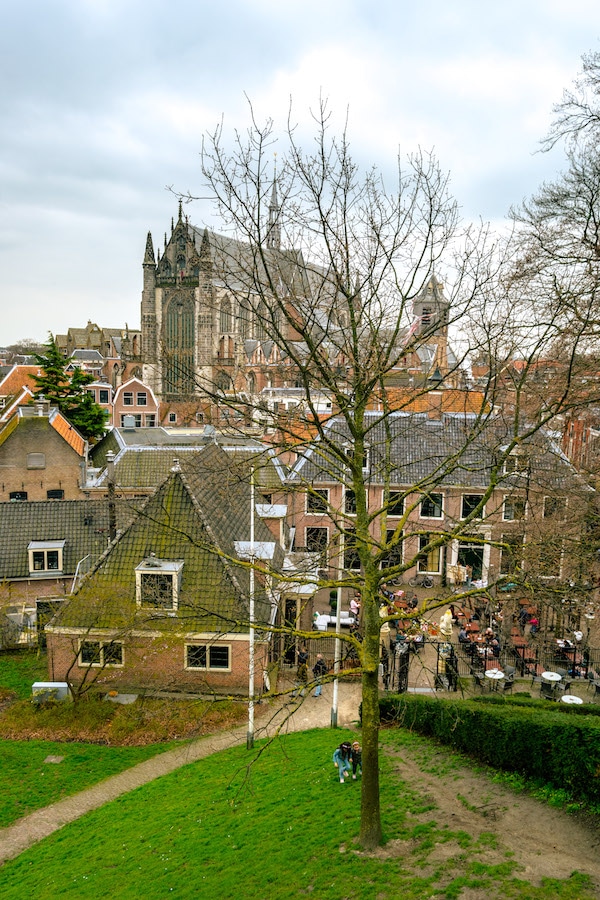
[
  {"x": 195, "y": 519},
  {"x": 17, "y": 378}
]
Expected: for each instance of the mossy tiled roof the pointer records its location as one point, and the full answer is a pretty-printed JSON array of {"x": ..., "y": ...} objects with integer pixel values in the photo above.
[
  {"x": 82, "y": 524},
  {"x": 195, "y": 517}
]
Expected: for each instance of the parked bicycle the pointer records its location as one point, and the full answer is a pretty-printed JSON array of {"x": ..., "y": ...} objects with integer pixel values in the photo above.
[{"x": 425, "y": 581}]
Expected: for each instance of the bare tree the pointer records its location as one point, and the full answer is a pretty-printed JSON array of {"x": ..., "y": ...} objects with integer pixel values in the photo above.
[{"x": 340, "y": 274}]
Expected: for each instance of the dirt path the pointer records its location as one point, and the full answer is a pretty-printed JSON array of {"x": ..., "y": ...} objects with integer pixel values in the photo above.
[{"x": 544, "y": 841}]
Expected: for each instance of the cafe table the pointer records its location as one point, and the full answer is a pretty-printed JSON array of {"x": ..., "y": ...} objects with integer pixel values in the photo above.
[
  {"x": 495, "y": 676},
  {"x": 570, "y": 698},
  {"x": 551, "y": 676}
]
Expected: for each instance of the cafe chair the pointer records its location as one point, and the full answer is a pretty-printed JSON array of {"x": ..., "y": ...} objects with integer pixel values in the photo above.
[
  {"x": 479, "y": 680},
  {"x": 508, "y": 682},
  {"x": 547, "y": 690}
]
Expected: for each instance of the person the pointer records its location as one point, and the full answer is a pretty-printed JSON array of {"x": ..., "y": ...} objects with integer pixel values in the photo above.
[
  {"x": 319, "y": 670},
  {"x": 302, "y": 674},
  {"x": 341, "y": 759},
  {"x": 356, "y": 757},
  {"x": 355, "y": 606},
  {"x": 534, "y": 624},
  {"x": 463, "y": 637}
]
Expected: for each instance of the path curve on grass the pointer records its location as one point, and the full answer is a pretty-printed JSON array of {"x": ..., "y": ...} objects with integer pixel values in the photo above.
[{"x": 310, "y": 713}]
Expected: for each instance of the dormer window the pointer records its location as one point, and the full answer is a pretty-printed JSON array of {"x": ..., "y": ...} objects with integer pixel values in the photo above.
[
  {"x": 516, "y": 464},
  {"x": 158, "y": 583},
  {"x": 45, "y": 557}
]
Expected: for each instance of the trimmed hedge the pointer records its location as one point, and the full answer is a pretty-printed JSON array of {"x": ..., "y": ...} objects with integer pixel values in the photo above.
[{"x": 552, "y": 744}]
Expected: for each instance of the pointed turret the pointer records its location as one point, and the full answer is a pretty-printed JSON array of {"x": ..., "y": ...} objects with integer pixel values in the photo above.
[
  {"x": 274, "y": 232},
  {"x": 149, "y": 254}
]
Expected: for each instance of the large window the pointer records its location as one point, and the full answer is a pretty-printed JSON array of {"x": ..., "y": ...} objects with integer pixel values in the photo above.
[
  {"x": 395, "y": 504},
  {"x": 208, "y": 656},
  {"x": 511, "y": 554},
  {"x": 349, "y": 502},
  {"x": 351, "y": 557},
  {"x": 157, "y": 583},
  {"x": 127, "y": 398},
  {"x": 137, "y": 419},
  {"x": 142, "y": 398},
  {"x": 514, "y": 508},
  {"x": 317, "y": 501},
  {"x": 394, "y": 557},
  {"x": 555, "y": 508},
  {"x": 470, "y": 502},
  {"x": 100, "y": 653},
  {"x": 429, "y": 558},
  {"x": 103, "y": 396},
  {"x": 45, "y": 557},
  {"x": 317, "y": 540},
  {"x": 432, "y": 506}
]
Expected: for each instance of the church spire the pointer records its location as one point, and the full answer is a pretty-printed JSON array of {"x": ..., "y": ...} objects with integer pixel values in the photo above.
[
  {"x": 274, "y": 231},
  {"x": 149, "y": 254}
]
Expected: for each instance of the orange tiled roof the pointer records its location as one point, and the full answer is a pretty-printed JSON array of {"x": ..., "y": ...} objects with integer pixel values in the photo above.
[
  {"x": 17, "y": 378},
  {"x": 68, "y": 433}
]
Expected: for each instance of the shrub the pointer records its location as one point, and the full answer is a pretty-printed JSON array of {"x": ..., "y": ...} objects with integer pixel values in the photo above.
[{"x": 525, "y": 736}]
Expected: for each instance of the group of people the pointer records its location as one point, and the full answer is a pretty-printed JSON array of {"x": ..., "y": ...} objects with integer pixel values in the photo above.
[
  {"x": 348, "y": 758},
  {"x": 319, "y": 669}
]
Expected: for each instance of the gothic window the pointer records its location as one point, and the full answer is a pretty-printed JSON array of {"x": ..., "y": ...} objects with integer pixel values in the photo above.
[
  {"x": 260, "y": 322},
  {"x": 225, "y": 316},
  {"x": 179, "y": 346}
]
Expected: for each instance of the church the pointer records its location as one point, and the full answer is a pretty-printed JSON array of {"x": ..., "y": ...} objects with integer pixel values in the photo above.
[{"x": 207, "y": 323}]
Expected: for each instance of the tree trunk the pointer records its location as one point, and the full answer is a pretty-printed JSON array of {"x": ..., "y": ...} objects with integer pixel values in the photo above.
[{"x": 370, "y": 825}]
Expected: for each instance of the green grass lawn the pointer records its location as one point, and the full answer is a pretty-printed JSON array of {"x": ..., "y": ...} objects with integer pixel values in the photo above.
[
  {"x": 28, "y": 783},
  {"x": 20, "y": 669},
  {"x": 283, "y": 827}
]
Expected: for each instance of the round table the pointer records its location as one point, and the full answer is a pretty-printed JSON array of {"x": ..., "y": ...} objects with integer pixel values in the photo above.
[
  {"x": 495, "y": 675},
  {"x": 551, "y": 676},
  {"x": 570, "y": 698}
]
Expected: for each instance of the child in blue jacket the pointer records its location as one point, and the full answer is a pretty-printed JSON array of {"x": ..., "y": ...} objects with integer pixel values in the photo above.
[{"x": 341, "y": 759}]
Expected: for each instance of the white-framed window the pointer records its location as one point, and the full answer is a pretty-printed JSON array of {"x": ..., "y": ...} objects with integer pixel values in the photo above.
[
  {"x": 511, "y": 554},
  {"x": 103, "y": 396},
  {"x": 395, "y": 505},
  {"x": 514, "y": 508},
  {"x": 429, "y": 558},
  {"x": 99, "y": 654},
  {"x": 172, "y": 418},
  {"x": 208, "y": 656},
  {"x": 316, "y": 541},
  {"x": 142, "y": 398},
  {"x": 394, "y": 556},
  {"x": 432, "y": 506},
  {"x": 157, "y": 583},
  {"x": 127, "y": 398},
  {"x": 517, "y": 463},
  {"x": 349, "y": 502},
  {"x": 555, "y": 508},
  {"x": 150, "y": 420},
  {"x": 469, "y": 503},
  {"x": 351, "y": 557},
  {"x": 45, "y": 557},
  {"x": 366, "y": 457},
  {"x": 36, "y": 460},
  {"x": 317, "y": 501},
  {"x": 137, "y": 419}
]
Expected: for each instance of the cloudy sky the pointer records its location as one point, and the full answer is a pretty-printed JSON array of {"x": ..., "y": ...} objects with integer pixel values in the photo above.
[{"x": 105, "y": 102}]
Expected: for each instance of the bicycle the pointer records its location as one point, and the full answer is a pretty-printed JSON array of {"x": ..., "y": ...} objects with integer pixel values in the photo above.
[{"x": 425, "y": 581}]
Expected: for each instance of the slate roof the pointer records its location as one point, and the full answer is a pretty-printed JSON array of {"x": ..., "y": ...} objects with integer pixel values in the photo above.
[
  {"x": 82, "y": 524},
  {"x": 144, "y": 456},
  {"x": 453, "y": 450},
  {"x": 195, "y": 518}
]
